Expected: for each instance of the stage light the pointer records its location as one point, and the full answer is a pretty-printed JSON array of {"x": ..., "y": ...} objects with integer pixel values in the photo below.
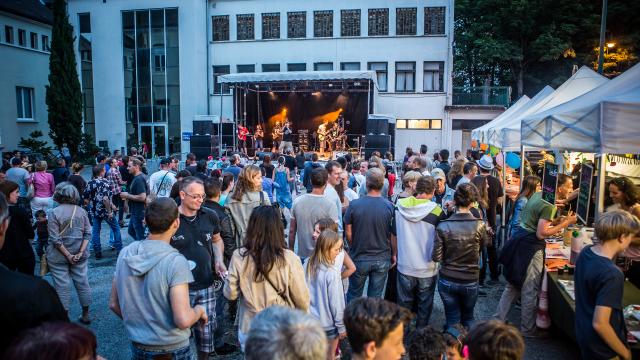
[
  {"x": 316, "y": 93},
  {"x": 330, "y": 85},
  {"x": 356, "y": 83}
]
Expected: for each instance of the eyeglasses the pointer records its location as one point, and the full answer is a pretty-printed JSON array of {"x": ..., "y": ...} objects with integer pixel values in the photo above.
[{"x": 195, "y": 197}]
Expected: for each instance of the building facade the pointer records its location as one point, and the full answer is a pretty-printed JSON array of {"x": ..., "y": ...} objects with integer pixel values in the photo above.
[
  {"x": 25, "y": 33},
  {"x": 408, "y": 43}
]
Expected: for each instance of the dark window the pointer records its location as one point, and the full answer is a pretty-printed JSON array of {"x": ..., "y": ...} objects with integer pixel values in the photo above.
[
  {"x": 24, "y": 100},
  {"x": 220, "y": 27},
  {"x": 350, "y": 66},
  {"x": 296, "y": 24},
  {"x": 45, "y": 43},
  {"x": 246, "y": 68},
  {"x": 406, "y": 19},
  {"x": 378, "y": 22},
  {"x": 217, "y": 86},
  {"x": 405, "y": 76},
  {"x": 270, "y": 67},
  {"x": 34, "y": 40},
  {"x": 297, "y": 67},
  {"x": 245, "y": 27},
  {"x": 350, "y": 22},
  {"x": 271, "y": 25},
  {"x": 8, "y": 34},
  {"x": 323, "y": 23},
  {"x": 323, "y": 66},
  {"x": 434, "y": 20},
  {"x": 22, "y": 37},
  {"x": 85, "y": 23},
  {"x": 467, "y": 124},
  {"x": 381, "y": 74},
  {"x": 433, "y": 79}
]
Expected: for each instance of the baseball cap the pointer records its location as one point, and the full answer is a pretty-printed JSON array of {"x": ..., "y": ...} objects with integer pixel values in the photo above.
[{"x": 438, "y": 173}]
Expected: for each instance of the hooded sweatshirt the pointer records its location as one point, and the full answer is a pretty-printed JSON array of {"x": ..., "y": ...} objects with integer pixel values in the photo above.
[
  {"x": 145, "y": 272},
  {"x": 416, "y": 221}
]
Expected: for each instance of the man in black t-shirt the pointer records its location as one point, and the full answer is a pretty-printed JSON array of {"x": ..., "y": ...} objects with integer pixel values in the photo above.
[
  {"x": 198, "y": 239},
  {"x": 485, "y": 165},
  {"x": 137, "y": 197}
]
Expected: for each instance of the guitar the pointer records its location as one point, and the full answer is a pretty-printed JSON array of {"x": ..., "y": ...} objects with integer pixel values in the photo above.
[
  {"x": 276, "y": 133},
  {"x": 322, "y": 133}
]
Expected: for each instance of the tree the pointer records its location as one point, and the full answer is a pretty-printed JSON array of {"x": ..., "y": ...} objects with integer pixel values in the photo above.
[
  {"x": 33, "y": 144},
  {"x": 64, "y": 98}
]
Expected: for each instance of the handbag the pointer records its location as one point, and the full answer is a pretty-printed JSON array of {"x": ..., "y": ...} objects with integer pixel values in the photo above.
[
  {"x": 284, "y": 294},
  {"x": 31, "y": 191}
]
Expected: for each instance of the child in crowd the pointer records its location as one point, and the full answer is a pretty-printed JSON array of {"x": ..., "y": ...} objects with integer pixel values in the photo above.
[
  {"x": 325, "y": 288},
  {"x": 267, "y": 184},
  {"x": 42, "y": 232},
  {"x": 599, "y": 285},
  {"x": 455, "y": 337},
  {"x": 427, "y": 344},
  {"x": 494, "y": 340},
  {"x": 343, "y": 263}
]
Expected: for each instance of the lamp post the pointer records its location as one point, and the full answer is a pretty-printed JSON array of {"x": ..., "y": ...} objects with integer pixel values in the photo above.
[{"x": 603, "y": 28}]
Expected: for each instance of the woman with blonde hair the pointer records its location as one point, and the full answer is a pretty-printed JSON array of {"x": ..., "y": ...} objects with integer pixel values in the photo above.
[
  {"x": 43, "y": 188},
  {"x": 456, "y": 173},
  {"x": 246, "y": 196}
]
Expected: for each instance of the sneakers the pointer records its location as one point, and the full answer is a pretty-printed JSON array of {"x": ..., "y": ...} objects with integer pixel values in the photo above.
[{"x": 226, "y": 349}]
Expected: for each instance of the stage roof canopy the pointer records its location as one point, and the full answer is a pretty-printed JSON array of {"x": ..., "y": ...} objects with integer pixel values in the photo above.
[{"x": 293, "y": 76}]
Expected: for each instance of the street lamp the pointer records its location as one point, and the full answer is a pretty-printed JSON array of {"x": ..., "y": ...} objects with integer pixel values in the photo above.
[{"x": 609, "y": 46}]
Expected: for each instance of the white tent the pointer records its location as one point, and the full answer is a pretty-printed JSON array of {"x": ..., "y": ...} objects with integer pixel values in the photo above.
[
  {"x": 603, "y": 120},
  {"x": 508, "y": 136},
  {"x": 480, "y": 133}
]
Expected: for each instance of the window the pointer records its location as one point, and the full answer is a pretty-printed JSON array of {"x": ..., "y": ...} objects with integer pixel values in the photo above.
[
  {"x": 323, "y": 23},
  {"x": 24, "y": 101},
  {"x": 406, "y": 19},
  {"x": 323, "y": 66},
  {"x": 405, "y": 76},
  {"x": 84, "y": 21},
  {"x": 22, "y": 37},
  {"x": 350, "y": 22},
  {"x": 270, "y": 67},
  {"x": 434, "y": 20},
  {"x": 245, "y": 27},
  {"x": 378, "y": 22},
  {"x": 220, "y": 25},
  {"x": 271, "y": 25},
  {"x": 34, "y": 40},
  {"x": 297, "y": 67},
  {"x": 159, "y": 62},
  {"x": 350, "y": 66},
  {"x": 8, "y": 34},
  {"x": 419, "y": 124},
  {"x": 296, "y": 24},
  {"x": 45, "y": 43},
  {"x": 381, "y": 74},
  {"x": 433, "y": 79},
  {"x": 246, "y": 68},
  {"x": 218, "y": 87}
]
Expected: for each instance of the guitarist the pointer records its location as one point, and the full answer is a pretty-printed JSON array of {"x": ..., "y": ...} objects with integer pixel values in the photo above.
[
  {"x": 259, "y": 136},
  {"x": 276, "y": 135},
  {"x": 322, "y": 136},
  {"x": 242, "y": 138}
]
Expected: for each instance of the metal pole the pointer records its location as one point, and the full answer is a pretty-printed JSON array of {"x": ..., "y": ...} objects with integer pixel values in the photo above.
[
  {"x": 600, "y": 190},
  {"x": 603, "y": 29},
  {"x": 220, "y": 124},
  {"x": 522, "y": 176},
  {"x": 504, "y": 191},
  {"x": 368, "y": 98}
]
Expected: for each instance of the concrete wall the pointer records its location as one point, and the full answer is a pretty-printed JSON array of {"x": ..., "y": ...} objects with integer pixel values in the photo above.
[
  {"x": 108, "y": 78},
  {"x": 25, "y": 67}
]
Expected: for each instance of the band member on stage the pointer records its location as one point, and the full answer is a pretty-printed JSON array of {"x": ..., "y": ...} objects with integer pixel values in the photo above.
[
  {"x": 322, "y": 136},
  {"x": 242, "y": 139},
  {"x": 276, "y": 135},
  {"x": 259, "y": 136},
  {"x": 287, "y": 138}
]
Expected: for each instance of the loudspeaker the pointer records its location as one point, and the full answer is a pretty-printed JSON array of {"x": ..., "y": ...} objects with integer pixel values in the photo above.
[
  {"x": 203, "y": 146},
  {"x": 261, "y": 154},
  {"x": 201, "y": 127},
  {"x": 381, "y": 143},
  {"x": 377, "y": 126}
]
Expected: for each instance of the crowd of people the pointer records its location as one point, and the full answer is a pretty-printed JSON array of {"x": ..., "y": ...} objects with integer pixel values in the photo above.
[{"x": 299, "y": 254}]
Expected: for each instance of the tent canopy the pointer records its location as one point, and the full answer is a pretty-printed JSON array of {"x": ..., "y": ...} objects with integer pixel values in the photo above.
[
  {"x": 603, "y": 120},
  {"x": 508, "y": 135},
  {"x": 297, "y": 76},
  {"x": 480, "y": 133}
]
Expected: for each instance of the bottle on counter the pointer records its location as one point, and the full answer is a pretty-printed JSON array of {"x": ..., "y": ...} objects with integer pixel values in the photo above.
[{"x": 576, "y": 246}]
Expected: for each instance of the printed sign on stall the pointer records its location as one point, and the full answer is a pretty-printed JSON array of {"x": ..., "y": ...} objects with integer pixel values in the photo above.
[
  {"x": 584, "y": 196},
  {"x": 549, "y": 182}
]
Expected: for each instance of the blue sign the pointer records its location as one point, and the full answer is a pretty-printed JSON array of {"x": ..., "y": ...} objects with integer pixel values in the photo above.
[{"x": 186, "y": 135}]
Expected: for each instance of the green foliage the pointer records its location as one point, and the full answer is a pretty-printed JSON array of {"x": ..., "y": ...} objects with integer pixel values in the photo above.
[
  {"x": 35, "y": 145},
  {"x": 87, "y": 149},
  {"x": 530, "y": 43},
  {"x": 64, "y": 98}
]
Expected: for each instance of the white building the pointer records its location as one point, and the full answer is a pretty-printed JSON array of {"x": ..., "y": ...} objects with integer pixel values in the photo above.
[{"x": 25, "y": 32}]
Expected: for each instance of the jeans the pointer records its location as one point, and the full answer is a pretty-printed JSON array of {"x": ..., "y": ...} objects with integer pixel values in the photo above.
[
  {"x": 459, "y": 300},
  {"x": 221, "y": 301},
  {"x": 177, "y": 354},
  {"x": 376, "y": 271},
  {"x": 528, "y": 295},
  {"x": 412, "y": 289},
  {"x": 259, "y": 144},
  {"x": 95, "y": 233},
  {"x": 136, "y": 228},
  {"x": 63, "y": 274}
]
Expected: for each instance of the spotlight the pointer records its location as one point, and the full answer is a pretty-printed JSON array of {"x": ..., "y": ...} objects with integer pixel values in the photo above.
[
  {"x": 330, "y": 85},
  {"x": 316, "y": 93}
]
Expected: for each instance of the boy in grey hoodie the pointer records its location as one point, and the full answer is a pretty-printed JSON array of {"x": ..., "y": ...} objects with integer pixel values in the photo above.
[
  {"x": 416, "y": 219},
  {"x": 150, "y": 291}
]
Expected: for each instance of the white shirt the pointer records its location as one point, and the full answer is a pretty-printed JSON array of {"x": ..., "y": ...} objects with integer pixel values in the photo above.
[
  {"x": 160, "y": 187},
  {"x": 463, "y": 180},
  {"x": 350, "y": 194}
]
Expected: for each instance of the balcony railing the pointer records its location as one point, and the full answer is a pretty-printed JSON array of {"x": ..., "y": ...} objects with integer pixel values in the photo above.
[{"x": 482, "y": 95}]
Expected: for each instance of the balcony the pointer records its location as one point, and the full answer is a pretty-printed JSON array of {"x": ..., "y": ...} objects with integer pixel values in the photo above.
[{"x": 482, "y": 96}]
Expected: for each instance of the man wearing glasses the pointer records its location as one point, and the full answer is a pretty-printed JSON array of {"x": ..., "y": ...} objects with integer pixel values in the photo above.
[{"x": 198, "y": 239}]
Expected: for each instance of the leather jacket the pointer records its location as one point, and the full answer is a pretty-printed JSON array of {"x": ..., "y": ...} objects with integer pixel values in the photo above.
[{"x": 457, "y": 247}]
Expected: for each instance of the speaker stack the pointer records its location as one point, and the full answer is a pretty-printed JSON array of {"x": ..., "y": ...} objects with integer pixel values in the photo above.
[
  {"x": 377, "y": 137},
  {"x": 203, "y": 142}
]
